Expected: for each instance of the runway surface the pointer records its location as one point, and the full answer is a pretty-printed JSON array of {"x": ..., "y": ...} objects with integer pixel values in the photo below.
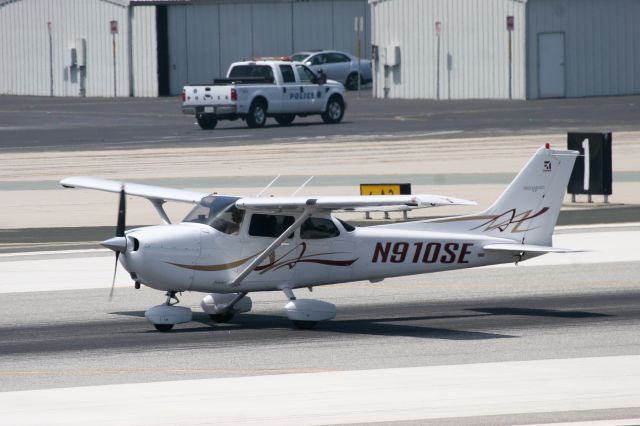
[
  {"x": 419, "y": 332},
  {"x": 31, "y": 123}
]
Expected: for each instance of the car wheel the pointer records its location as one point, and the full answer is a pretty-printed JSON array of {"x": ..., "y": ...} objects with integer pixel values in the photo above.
[
  {"x": 285, "y": 119},
  {"x": 207, "y": 121},
  {"x": 352, "y": 81},
  {"x": 257, "y": 114},
  {"x": 334, "y": 111}
]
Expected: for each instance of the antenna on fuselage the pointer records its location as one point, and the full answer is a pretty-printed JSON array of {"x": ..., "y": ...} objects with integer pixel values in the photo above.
[
  {"x": 268, "y": 186},
  {"x": 302, "y": 186}
]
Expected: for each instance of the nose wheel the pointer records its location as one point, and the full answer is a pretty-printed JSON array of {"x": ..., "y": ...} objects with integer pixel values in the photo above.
[{"x": 165, "y": 316}]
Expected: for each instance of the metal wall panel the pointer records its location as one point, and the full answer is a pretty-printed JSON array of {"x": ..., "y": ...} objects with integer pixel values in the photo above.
[
  {"x": 178, "y": 47},
  {"x": 344, "y": 36},
  {"x": 144, "y": 51},
  {"x": 203, "y": 43},
  {"x": 272, "y": 29},
  {"x": 235, "y": 32},
  {"x": 205, "y": 38},
  {"x": 602, "y": 40},
  {"x": 313, "y": 25},
  {"x": 472, "y": 61},
  {"x": 26, "y": 63}
]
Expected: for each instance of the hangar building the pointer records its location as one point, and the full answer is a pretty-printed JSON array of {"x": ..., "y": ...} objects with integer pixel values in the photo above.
[
  {"x": 501, "y": 49},
  {"x": 154, "y": 47}
]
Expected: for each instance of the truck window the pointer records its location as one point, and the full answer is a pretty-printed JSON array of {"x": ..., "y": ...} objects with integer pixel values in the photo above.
[
  {"x": 269, "y": 225},
  {"x": 252, "y": 71},
  {"x": 287, "y": 74},
  {"x": 305, "y": 74}
]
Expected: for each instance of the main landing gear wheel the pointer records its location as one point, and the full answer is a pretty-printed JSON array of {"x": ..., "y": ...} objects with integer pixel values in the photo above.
[
  {"x": 163, "y": 327},
  {"x": 304, "y": 325},
  {"x": 221, "y": 318}
]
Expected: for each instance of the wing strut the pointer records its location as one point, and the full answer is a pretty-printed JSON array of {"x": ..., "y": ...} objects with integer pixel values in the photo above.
[
  {"x": 272, "y": 247},
  {"x": 157, "y": 204}
]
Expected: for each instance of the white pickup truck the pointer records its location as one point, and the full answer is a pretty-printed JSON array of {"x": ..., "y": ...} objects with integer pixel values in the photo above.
[{"x": 256, "y": 90}]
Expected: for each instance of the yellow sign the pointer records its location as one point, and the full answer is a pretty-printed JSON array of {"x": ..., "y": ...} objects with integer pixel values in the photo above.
[{"x": 380, "y": 189}]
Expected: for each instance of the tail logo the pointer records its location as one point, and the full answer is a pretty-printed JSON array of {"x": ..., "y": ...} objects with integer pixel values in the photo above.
[
  {"x": 547, "y": 166},
  {"x": 501, "y": 222}
]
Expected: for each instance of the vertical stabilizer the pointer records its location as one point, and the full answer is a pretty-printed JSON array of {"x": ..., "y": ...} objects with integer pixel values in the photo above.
[{"x": 528, "y": 209}]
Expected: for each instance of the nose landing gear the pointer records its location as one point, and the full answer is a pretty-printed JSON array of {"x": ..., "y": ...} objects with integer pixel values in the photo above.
[{"x": 165, "y": 316}]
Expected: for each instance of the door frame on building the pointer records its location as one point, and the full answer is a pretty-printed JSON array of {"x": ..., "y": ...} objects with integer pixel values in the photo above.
[{"x": 542, "y": 93}]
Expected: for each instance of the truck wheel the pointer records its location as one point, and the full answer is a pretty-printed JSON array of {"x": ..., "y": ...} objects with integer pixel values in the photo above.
[
  {"x": 285, "y": 119},
  {"x": 335, "y": 110},
  {"x": 352, "y": 81},
  {"x": 257, "y": 114},
  {"x": 207, "y": 121}
]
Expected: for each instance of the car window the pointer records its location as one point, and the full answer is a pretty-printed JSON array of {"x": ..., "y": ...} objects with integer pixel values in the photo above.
[
  {"x": 305, "y": 74},
  {"x": 316, "y": 228},
  {"x": 269, "y": 225},
  {"x": 287, "y": 74},
  {"x": 320, "y": 59},
  {"x": 337, "y": 57},
  {"x": 299, "y": 57}
]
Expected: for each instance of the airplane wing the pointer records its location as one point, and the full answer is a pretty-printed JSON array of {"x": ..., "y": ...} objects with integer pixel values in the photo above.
[
  {"x": 150, "y": 192},
  {"x": 352, "y": 203}
]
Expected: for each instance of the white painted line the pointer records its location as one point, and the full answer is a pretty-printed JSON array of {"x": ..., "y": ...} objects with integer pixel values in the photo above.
[
  {"x": 416, "y": 393},
  {"x": 601, "y": 225},
  {"x": 616, "y": 422},
  {"x": 53, "y": 252}
]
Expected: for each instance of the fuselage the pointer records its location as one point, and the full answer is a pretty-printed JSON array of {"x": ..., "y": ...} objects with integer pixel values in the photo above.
[{"x": 194, "y": 256}]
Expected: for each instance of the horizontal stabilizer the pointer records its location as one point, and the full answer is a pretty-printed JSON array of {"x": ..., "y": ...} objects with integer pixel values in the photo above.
[
  {"x": 531, "y": 248},
  {"x": 146, "y": 191}
]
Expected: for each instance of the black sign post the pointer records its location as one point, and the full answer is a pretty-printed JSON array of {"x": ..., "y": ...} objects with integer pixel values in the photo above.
[{"x": 592, "y": 172}]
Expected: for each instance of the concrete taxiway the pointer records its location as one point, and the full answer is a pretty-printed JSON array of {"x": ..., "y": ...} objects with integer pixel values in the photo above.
[
  {"x": 554, "y": 338},
  {"x": 551, "y": 340}
]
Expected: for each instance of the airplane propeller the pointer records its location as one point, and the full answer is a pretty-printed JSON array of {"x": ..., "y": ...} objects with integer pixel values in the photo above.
[{"x": 118, "y": 243}]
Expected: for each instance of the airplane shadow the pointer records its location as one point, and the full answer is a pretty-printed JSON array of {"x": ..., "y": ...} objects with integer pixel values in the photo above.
[{"x": 385, "y": 326}]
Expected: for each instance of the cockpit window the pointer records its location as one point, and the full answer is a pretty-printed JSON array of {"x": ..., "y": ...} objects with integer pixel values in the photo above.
[
  {"x": 219, "y": 212},
  {"x": 347, "y": 226},
  {"x": 316, "y": 228}
]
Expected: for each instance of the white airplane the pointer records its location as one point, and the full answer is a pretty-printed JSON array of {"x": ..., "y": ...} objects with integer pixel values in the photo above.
[{"x": 229, "y": 246}]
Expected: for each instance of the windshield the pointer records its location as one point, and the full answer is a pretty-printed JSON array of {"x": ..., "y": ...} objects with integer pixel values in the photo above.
[
  {"x": 219, "y": 212},
  {"x": 299, "y": 57}
]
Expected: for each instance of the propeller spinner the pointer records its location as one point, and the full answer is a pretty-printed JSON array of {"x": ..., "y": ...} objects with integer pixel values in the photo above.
[{"x": 118, "y": 243}]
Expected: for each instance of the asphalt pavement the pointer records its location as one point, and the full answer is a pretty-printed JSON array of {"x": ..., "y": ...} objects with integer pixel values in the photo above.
[{"x": 30, "y": 123}]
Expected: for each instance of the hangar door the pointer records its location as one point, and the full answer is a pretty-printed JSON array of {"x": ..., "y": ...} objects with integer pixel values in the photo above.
[
  {"x": 203, "y": 39},
  {"x": 551, "y": 60}
]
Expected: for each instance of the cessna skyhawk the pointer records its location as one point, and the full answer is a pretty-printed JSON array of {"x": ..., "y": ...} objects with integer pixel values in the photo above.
[{"x": 229, "y": 246}]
